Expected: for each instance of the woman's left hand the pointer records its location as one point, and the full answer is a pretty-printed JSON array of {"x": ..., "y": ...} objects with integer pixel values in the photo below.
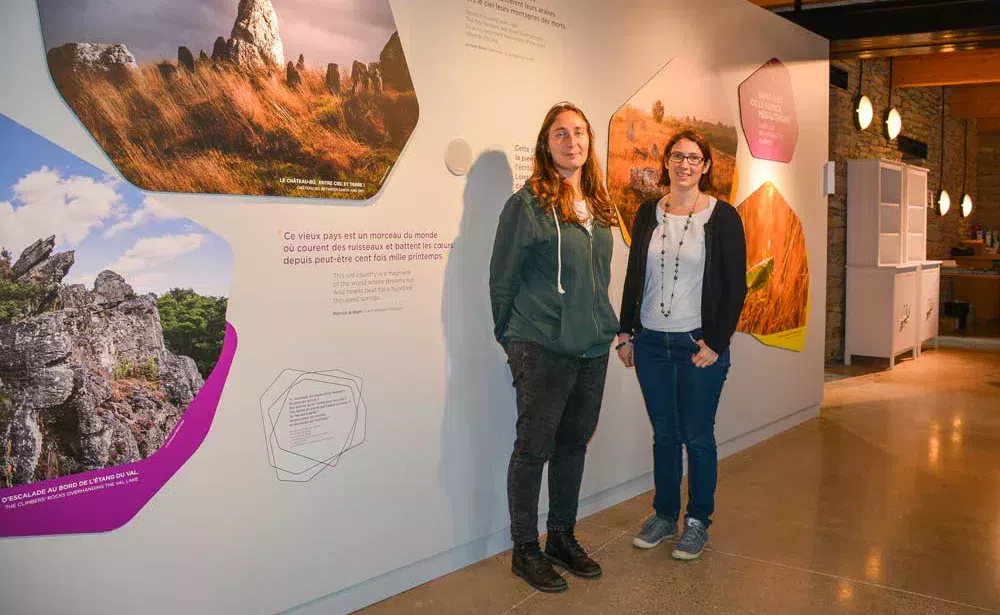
[{"x": 705, "y": 355}]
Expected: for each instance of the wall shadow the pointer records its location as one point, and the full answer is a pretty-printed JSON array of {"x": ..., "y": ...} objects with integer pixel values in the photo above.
[{"x": 477, "y": 430}]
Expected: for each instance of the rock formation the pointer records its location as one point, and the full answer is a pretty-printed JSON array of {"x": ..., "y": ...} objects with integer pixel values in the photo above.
[
  {"x": 359, "y": 77},
  {"x": 255, "y": 41},
  {"x": 395, "y": 72},
  {"x": 301, "y": 64},
  {"x": 78, "y": 57},
  {"x": 292, "y": 77},
  {"x": 203, "y": 57},
  {"x": 645, "y": 182},
  {"x": 87, "y": 382},
  {"x": 333, "y": 78},
  {"x": 219, "y": 49},
  {"x": 374, "y": 77},
  {"x": 185, "y": 58}
]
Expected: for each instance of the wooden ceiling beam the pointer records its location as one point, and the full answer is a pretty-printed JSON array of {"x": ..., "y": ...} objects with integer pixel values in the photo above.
[
  {"x": 976, "y": 101},
  {"x": 981, "y": 66}
]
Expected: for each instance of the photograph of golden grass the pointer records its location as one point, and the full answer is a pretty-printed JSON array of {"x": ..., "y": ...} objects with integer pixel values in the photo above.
[
  {"x": 680, "y": 96},
  {"x": 777, "y": 265},
  {"x": 239, "y": 120}
]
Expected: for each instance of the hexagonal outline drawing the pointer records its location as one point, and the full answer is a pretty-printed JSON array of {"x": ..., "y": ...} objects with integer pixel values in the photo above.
[
  {"x": 332, "y": 460},
  {"x": 308, "y": 473},
  {"x": 774, "y": 64},
  {"x": 319, "y": 198},
  {"x": 286, "y": 398},
  {"x": 717, "y": 86},
  {"x": 358, "y": 434}
]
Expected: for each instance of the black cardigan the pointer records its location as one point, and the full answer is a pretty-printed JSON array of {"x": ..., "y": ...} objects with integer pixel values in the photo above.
[{"x": 724, "y": 287}]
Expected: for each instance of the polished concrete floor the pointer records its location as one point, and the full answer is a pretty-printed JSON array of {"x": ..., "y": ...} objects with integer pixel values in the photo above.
[{"x": 887, "y": 503}]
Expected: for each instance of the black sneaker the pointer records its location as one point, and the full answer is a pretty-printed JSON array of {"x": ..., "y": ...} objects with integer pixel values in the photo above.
[
  {"x": 528, "y": 563},
  {"x": 563, "y": 549}
]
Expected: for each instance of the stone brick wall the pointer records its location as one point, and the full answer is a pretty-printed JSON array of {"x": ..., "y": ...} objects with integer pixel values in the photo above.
[
  {"x": 986, "y": 212},
  {"x": 921, "y": 112}
]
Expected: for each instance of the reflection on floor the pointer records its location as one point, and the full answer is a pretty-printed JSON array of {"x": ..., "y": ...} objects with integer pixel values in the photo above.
[
  {"x": 887, "y": 503},
  {"x": 978, "y": 328}
]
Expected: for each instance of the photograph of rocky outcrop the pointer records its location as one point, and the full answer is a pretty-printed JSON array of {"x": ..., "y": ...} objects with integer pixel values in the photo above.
[
  {"x": 306, "y": 98},
  {"x": 681, "y": 96},
  {"x": 112, "y": 314}
]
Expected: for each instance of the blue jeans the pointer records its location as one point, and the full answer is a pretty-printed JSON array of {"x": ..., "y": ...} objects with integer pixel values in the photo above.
[{"x": 681, "y": 400}]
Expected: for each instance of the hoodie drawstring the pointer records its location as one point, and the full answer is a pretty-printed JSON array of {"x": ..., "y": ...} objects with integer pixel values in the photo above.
[{"x": 559, "y": 285}]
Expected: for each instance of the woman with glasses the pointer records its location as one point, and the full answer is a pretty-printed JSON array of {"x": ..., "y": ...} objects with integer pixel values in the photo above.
[
  {"x": 684, "y": 291},
  {"x": 549, "y": 278}
]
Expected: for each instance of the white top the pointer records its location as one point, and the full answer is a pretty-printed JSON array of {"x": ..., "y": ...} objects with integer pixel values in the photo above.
[
  {"x": 685, "y": 313},
  {"x": 587, "y": 220}
]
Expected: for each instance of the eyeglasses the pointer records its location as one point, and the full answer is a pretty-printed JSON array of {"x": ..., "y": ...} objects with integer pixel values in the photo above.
[{"x": 693, "y": 159}]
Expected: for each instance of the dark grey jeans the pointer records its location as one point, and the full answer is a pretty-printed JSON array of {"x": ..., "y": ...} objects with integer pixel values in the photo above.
[{"x": 558, "y": 404}]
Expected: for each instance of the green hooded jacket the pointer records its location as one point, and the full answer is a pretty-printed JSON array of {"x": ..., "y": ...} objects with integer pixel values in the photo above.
[{"x": 532, "y": 260}]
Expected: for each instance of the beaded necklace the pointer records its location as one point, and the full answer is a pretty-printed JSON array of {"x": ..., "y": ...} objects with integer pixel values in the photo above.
[{"x": 677, "y": 258}]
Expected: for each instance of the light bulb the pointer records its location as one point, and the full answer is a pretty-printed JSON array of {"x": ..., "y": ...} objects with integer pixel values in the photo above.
[
  {"x": 865, "y": 112},
  {"x": 894, "y": 123},
  {"x": 944, "y": 202},
  {"x": 966, "y": 206}
]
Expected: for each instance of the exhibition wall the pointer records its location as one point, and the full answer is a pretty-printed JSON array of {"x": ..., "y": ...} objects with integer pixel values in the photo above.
[{"x": 321, "y": 213}]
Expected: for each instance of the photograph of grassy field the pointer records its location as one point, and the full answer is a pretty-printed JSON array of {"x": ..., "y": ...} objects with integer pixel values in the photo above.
[
  {"x": 239, "y": 120},
  {"x": 645, "y": 123},
  {"x": 777, "y": 266}
]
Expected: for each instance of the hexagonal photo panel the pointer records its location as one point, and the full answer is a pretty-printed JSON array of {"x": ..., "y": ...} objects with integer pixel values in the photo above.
[
  {"x": 114, "y": 345},
  {"x": 680, "y": 96},
  {"x": 767, "y": 112},
  {"x": 310, "y": 420},
  {"x": 303, "y": 99},
  {"x": 776, "y": 311}
]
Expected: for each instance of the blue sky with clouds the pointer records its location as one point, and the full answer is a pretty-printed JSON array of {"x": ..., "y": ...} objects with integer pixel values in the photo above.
[
  {"x": 325, "y": 31},
  {"x": 45, "y": 190}
]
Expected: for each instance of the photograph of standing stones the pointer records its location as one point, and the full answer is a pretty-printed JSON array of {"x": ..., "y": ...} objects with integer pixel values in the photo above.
[
  {"x": 112, "y": 314},
  {"x": 179, "y": 108}
]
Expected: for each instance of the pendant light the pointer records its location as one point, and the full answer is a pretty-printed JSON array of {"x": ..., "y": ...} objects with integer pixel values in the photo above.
[
  {"x": 966, "y": 199},
  {"x": 864, "y": 111},
  {"x": 893, "y": 120},
  {"x": 944, "y": 199}
]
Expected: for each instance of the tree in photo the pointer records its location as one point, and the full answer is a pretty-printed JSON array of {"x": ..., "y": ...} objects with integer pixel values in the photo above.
[{"x": 194, "y": 325}]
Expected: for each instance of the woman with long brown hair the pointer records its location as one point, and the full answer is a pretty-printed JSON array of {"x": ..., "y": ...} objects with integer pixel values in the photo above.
[{"x": 549, "y": 278}]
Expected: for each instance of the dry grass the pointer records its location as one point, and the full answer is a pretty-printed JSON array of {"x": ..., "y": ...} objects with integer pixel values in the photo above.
[
  {"x": 773, "y": 230},
  {"x": 625, "y": 154},
  {"x": 220, "y": 130}
]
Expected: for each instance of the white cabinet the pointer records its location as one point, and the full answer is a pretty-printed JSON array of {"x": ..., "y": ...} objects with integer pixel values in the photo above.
[{"x": 892, "y": 290}]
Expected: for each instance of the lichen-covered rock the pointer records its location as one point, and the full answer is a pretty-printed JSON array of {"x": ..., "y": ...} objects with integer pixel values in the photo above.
[
  {"x": 255, "y": 41},
  {"x": 73, "y": 58},
  {"x": 33, "y": 255},
  {"x": 89, "y": 385}
]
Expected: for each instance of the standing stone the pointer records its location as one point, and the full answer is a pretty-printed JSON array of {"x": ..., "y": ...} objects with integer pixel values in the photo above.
[
  {"x": 333, "y": 78},
  {"x": 654, "y": 151},
  {"x": 292, "y": 76},
  {"x": 359, "y": 77},
  {"x": 392, "y": 63},
  {"x": 375, "y": 77},
  {"x": 256, "y": 40},
  {"x": 184, "y": 58},
  {"x": 301, "y": 64},
  {"x": 203, "y": 57},
  {"x": 219, "y": 49},
  {"x": 630, "y": 131}
]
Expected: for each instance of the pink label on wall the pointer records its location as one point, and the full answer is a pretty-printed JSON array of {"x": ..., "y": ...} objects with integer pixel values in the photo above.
[{"x": 767, "y": 111}]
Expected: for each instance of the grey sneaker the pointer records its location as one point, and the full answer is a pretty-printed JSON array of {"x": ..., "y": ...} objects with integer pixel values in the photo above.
[
  {"x": 654, "y": 531},
  {"x": 692, "y": 541}
]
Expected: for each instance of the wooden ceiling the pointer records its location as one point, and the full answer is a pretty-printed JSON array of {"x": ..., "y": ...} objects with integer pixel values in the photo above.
[{"x": 966, "y": 60}]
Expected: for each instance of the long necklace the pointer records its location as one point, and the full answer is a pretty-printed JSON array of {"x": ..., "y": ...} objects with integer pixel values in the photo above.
[{"x": 677, "y": 259}]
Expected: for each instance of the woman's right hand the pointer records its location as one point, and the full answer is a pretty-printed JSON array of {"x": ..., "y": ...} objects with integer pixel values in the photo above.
[{"x": 625, "y": 352}]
